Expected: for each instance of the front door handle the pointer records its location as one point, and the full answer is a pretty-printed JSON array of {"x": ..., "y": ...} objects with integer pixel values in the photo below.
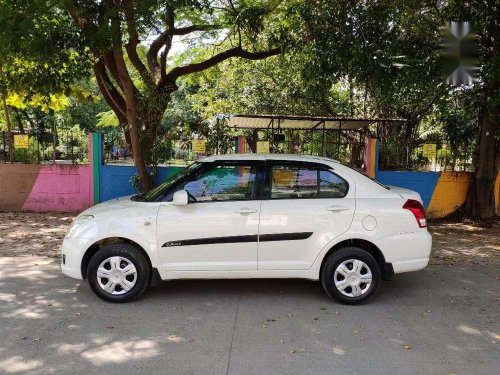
[
  {"x": 336, "y": 208},
  {"x": 246, "y": 211}
]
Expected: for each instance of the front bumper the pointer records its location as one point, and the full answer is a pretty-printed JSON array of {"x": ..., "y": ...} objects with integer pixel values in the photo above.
[{"x": 72, "y": 252}]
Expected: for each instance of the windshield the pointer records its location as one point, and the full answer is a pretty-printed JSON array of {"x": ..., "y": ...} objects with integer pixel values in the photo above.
[{"x": 153, "y": 194}]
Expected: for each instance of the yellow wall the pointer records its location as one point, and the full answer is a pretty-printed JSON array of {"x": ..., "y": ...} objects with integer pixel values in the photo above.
[{"x": 450, "y": 193}]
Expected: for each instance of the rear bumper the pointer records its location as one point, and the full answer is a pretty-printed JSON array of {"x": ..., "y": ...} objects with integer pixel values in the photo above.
[
  {"x": 410, "y": 265},
  {"x": 408, "y": 251}
]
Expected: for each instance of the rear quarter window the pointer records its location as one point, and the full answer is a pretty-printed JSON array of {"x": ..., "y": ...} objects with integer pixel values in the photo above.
[{"x": 332, "y": 185}]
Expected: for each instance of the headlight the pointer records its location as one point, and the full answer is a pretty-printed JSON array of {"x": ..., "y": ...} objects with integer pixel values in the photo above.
[{"x": 77, "y": 222}]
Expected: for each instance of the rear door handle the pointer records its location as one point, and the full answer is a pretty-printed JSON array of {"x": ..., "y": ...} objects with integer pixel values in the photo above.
[
  {"x": 336, "y": 208},
  {"x": 245, "y": 211}
]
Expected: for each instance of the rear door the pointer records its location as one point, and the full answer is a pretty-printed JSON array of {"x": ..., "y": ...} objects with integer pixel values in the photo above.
[{"x": 305, "y": 206}]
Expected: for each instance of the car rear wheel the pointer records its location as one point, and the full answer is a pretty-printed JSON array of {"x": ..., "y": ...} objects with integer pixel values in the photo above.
[
  {"x": 119, "y": 273},
  {"x": 351, "y": 275}
]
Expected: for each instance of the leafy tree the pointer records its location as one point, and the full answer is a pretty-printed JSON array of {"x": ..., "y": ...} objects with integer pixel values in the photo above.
[
  {"x": 114, "y": 31},
  {"x": 392, "y": 49},
  {"x": 40, "y": 56},
  {"x": 484, "y": 16},
  {"x": 387, "y": 50}
]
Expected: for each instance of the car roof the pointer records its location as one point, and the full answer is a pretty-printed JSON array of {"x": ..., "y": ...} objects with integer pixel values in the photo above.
[{"x": 263, "y": 157}]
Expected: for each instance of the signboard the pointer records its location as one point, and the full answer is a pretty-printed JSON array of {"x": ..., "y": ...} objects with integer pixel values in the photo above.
[
  {"x": 198, "y": 145},
  {"x": 263, "y": 147},
  {"x": 429, "y": 150},
  {"x": 21, "y": 141}
]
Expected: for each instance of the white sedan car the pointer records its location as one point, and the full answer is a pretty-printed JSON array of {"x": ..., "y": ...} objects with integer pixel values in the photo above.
[{"x": 252, "y": 216}]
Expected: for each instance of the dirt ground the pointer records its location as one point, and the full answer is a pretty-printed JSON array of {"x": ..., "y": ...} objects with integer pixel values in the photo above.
[
  {"x": 29, "y": 234},
  {"x": 41, "y": 234}
]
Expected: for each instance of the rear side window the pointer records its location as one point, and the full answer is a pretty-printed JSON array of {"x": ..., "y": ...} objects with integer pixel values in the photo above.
[{"x": 295, "y": 182}]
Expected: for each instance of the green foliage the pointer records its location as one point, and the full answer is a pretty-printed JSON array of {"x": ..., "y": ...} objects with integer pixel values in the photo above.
[
  {"x": 220, "y": 137},
  {"x": 165, "y": 150},
  {"x": 388, "y": 48},
  {"x": 107, "y": 119},
  {"x": 40, "y": 51}
]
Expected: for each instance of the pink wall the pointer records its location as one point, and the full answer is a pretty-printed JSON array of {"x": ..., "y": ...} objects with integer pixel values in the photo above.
[{"x": 60, "y": 187}]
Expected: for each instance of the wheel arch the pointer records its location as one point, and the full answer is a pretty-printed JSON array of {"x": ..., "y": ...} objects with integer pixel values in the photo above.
[
  {"x": 98, "y": 245},
  {"x": 370, "y": 247}
]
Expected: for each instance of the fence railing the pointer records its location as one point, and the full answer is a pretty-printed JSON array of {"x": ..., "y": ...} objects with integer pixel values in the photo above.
[{"x": 65, "y": 146}]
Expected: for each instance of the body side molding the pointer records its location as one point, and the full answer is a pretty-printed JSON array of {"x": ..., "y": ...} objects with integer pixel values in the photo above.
[{"x": 239, "y": 239}]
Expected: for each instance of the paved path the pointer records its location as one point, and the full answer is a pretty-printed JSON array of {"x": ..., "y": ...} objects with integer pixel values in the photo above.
[{"x": 438, "y": 321}]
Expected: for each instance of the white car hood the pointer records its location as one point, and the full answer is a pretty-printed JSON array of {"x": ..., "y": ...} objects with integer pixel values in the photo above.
[
  {"x": 406, "y": 193},
  {"x": 112, "y": 204}
]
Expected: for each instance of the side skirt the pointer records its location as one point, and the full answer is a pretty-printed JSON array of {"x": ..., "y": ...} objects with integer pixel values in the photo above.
[{"x": 254, "y": 274}]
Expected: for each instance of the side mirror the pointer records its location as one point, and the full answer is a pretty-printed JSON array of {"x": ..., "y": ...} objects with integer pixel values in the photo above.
[{"x": 180, "y": 198}]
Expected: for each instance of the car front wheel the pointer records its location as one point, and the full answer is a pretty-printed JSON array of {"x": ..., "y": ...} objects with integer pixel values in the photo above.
[
  {"x": 119, "y": 273},
  {"x": 351, "y": 275}
]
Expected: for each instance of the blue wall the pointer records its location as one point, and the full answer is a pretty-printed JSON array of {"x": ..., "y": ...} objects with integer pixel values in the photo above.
[
  {"x": 114, "y": 180},
  {"x": 422, "y": 182}
]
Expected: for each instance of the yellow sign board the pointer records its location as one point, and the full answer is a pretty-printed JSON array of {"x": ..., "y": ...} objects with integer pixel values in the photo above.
[
  {"x": 198, "y": 145},
  {"x": 263, "y": 147},
  {"x": 21, "y": 141},
  {"x": 429, "y": 150}
]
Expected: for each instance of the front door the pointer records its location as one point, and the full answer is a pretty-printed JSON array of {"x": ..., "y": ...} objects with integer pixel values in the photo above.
[
  {"x": 306, "y": 207},
  {"x": 218, "y": 229}
]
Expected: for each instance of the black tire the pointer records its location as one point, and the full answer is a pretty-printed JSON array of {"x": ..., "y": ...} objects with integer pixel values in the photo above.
[
  {"x": 132, "y": 254},
  {"x": 338, "y": 257}
]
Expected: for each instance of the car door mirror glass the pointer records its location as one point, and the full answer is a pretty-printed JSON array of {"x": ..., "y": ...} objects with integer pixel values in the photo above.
[{"x": 181, "y": 198}]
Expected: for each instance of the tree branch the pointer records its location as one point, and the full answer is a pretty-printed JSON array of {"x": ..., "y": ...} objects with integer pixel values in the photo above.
[
  {"x": 164, "y": 39},
  {"x": 214, "y": 60},
  {"x": 110, "y": 93},
  {"x": 190, "y": 29},
  {"x": 109, "y": 61},
  {"x": 131, "y": 46}
]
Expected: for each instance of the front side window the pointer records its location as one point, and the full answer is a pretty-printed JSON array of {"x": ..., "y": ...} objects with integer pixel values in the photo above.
[
  {"x": 160, "y": 191},
  {"x": 223, "y": 183},
  {"x": 292, "y": 182}
]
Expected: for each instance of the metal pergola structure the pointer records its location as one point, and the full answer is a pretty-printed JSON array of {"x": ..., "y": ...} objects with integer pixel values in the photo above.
[{"x": 277, "y": 123}]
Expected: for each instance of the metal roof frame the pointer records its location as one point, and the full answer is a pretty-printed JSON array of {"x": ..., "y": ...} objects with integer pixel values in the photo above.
[{"x": 264, "y": 122}]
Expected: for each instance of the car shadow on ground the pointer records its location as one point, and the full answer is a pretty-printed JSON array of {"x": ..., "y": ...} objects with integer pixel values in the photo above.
[{"x": 255, "y": 288}]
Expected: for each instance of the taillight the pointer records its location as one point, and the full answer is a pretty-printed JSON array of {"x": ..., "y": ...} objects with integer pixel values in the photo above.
[{"x": 417, "y": 210}]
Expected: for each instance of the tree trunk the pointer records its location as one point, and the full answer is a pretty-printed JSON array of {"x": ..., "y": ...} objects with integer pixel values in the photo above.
[
  {"x": 9, "y": 129},
  {"x": 131, "y": 114},
  {"x": 351, "y": 96},
  {"x": 481, "y": 200}
]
